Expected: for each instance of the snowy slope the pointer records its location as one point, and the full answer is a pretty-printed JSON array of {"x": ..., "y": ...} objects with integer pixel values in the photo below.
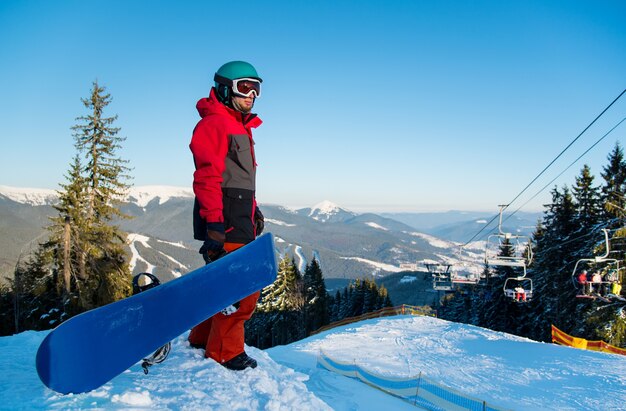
[
  {"x": 32, "y": 196},
  {"x": 504, "y": 370}
]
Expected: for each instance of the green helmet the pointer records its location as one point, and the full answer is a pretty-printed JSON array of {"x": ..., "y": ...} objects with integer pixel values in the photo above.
[
  {"x": 234, "y": 70},
  {"x": 227, "y": 73}
]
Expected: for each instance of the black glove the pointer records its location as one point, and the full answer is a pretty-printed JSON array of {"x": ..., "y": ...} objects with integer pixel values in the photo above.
[
  {"x": 213, "y": 246},
  {"x": 259, "y": 221}
]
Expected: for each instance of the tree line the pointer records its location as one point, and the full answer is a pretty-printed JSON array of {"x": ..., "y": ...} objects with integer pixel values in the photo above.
[
  {"x": 297, "y": 304},
  {"x": 570, "y": 229}
]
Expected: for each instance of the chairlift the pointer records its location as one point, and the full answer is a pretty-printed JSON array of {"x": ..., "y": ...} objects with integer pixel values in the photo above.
[
  {"x": 521, "y": 251},
  {"x": 441, "y": 276},
  {"x": 519, "y": 289},
  {"x": 608, "y": 271}
]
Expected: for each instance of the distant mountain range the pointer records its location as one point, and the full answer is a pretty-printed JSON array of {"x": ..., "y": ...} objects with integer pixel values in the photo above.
[{"x": 347, "y": 244}]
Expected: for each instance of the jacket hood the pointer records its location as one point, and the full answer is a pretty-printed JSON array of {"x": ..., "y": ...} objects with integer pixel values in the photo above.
[{"x": 211, "y": 106}]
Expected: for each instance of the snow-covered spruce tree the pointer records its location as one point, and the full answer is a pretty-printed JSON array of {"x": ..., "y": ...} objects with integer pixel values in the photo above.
[
  {"x": 35, "y": 286},
  {"x": 284, "y": 293},
  {"x": 316, "y": 306},
  {"x": 279, "y": 314},
  {"x": 587, "y": 201},
  {"x": 359, "y": 298},
  {"x": 554, "y": 260},
  {"x": 501, "y": 313},
  {"x": 614, "y": 188},
  {"x": 608, "y": 321},
  {"x": 334, "y": 306},
  {"x": 7, "y": 310}
]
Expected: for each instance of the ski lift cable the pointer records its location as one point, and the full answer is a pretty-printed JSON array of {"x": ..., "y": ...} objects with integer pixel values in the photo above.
[
  {"x": 566, "y": 168},
  {"x": 483, "y": 229},
  {"x": 580, "y": 237},
  {"x": 568, "y": 146},
  {"x": 549, "y": 165}
]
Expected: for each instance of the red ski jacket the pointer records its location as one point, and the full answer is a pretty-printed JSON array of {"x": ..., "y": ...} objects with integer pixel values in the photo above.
[{"x": 224, "y": 182}]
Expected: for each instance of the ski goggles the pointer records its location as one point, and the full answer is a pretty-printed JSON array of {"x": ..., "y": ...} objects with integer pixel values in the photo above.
[{"x": 245, "y": 87}]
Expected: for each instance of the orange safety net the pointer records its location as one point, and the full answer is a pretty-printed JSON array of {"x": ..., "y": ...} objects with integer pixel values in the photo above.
[{"x": 562, "y": 338}]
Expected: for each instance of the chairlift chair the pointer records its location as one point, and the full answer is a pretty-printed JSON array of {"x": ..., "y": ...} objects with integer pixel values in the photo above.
[
  {"x": 519, "y": 289},
  {"x": 598, "y": 263},
  {"x": 495, "y": 242},
  {"x": 441, "y": 276}
]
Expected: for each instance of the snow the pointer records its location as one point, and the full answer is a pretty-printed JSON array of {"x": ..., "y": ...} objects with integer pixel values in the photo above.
[
  {"x": 135, "y": 256},
  {"x": 278, "y": 222},
  {"x": 301, "y": 259},
  {"x": 32, "y": 196},
  {"x": 377, "y": 226},
  {"x": 381, "y": 266},
  {"x": 325, "y": 208},
  {"x": 179, "y": 244},
  {"x": 141, "y": 195},
  {"x": 408, "y": 279},
  {"x": 434, "y": 241},
  {"x": 504, "y": 370},
  {"x": 145, "y": 194}
]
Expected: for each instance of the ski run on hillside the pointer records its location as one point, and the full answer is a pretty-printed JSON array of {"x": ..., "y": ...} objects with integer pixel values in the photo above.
[{"x": 504, "y": 370}]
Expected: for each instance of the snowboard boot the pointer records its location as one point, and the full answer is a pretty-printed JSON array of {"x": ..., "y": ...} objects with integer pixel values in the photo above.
[
  {"x": 240, "y": 362},
  {"x": 197, "y": 346}
]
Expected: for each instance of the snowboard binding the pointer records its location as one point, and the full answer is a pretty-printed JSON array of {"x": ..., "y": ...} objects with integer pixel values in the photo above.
[{"x": 143, "y": 282}]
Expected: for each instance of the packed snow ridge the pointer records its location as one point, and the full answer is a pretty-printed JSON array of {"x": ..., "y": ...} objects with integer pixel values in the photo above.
[
  {"x": 141, "y": 195},
  {"x": 504, "y": 370},
  {"x": 145, "y": 194},
  {"x": 32, "y": 196}
]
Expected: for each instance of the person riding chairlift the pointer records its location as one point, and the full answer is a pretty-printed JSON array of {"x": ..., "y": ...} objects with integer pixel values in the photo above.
[
  {"x": 596, "y": 280},
  {"x": 582, "y": 280}
]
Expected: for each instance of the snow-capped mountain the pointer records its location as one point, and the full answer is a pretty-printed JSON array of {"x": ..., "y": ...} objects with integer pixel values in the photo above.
[
  {"x": 348, "y": 245},
  {"x": 140, "y": 195},
  {"x": 144, "y": 195},
  {"x": 327, "y": 212},
  {"x": 30, "y": 196}
]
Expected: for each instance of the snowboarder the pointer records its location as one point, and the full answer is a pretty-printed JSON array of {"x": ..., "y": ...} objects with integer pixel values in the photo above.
[{"x": 226, "y": 216}]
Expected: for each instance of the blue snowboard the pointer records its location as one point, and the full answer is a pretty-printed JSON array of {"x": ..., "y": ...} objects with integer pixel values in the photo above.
[{"x": 92, "y": 348}]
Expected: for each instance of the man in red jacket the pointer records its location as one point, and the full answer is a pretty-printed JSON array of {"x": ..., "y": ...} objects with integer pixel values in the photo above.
[{"x": 225, "y": 213}]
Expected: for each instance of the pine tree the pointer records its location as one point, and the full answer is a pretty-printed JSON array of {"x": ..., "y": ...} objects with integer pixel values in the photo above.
[
  {"x": 83, "y": 263},
  {"x": 557, "y": 249},
  {"x": 102, "y": 265},
  {"x": 587, "y": 200},
  {"x": 284, "y": 293},
  {"x": 614, "y": 188},
  {"x": 279, "y": 315},
  {"x": 7, "y": 310},
  {"x": 500, "y": 313},
  {"x": 316, "y": 297},
  {"x": 68, "y": 228}
]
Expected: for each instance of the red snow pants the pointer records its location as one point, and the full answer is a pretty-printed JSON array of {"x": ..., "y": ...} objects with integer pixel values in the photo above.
[{"x": 223, "y": 335}]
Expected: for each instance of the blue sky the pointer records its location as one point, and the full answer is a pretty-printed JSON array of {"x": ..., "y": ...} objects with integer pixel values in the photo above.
[{"x": 374, "y": 105}]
